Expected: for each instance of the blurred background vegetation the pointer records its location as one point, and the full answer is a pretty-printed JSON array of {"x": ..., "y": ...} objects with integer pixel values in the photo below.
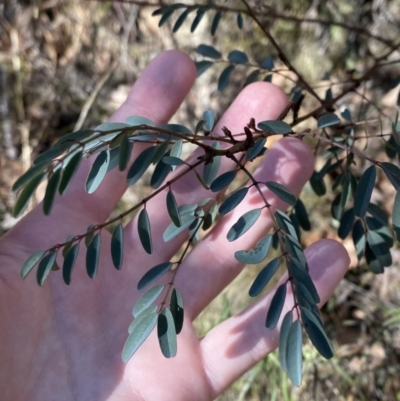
[{"x": 66, "y": 64}]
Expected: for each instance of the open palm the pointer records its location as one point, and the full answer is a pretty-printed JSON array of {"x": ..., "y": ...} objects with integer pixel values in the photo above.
[{"x": 61, "y": 342}]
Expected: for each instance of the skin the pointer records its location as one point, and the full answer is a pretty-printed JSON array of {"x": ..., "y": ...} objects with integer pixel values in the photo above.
[{"x": 64, "y": 342}]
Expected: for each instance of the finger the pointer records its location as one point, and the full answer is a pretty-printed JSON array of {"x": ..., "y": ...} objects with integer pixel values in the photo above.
[
  {"x": 233, "y": 347},
  {"x": 211, "y": 266},
  {"x": 157, "y": 94},
  {"x": 261, "y": 101}
]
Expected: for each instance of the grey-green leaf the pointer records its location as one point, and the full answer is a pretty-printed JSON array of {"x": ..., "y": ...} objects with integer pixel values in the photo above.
[
  {"x": 140, "y": 165},
  {"x": 45, "y": 266},
  {"x": 144, "y": 231},
  {"x": 173, "y": 210},
  {"x": 138, "y": 120},
  {"x": 125, "y": 151},
  {"x": 275, "y": 127},
  {"x": 153, "y": 275},
  {"x": 346, "y": 223},
  {"x": 396, "y": 215},
  {"x": 29, "y": 175},
  {"x": 282, "y": 192},
  {"x": 244, "y": 223},
  {"x": 69, "y": 172},
  {"x": 392, "y": 173},
  {"x": 173, "y": 230},
  {"x": 166, "y": 333},
  {"x": 239, "y": 21},
  {"x": 328, "y": 120},
  {"x": 316, "y": 333},
  {"x": 98, "y": 171},
  {"x": 256, "y": 254},
  {"x": 223, "y": 181},
  {"x": 293, "y": 353},
  {"x": 209, "y": 119},
  {"x": 30, "y": 263},
  {"x": 140, "y": 330},
  {"x": 283, "y": 337},
  {"x": 69, "y": 262},
  {"x": 208, "y": 51},
  {"x": 93, "y": 255},
  {"x": 268, "y": 63},
  {"x": 51, "y": 191},
  {"x": 237, "y": 56},
  {"x": 300, "y": 274},
  {"x": 181, "y": 19},
  {"x": 48, "y": 155},
  {"x": 364, "y": 191},
  {"x": 176, "y": 307},
  {"x": 254, "y": 151},
  {"x": 202, "y": 66},
  {"x": 147, "y": 299},
  {"x": 224, "y": 78},
  {"x": 117, "y": 246},
  {"x": 302, "y": 215},
  {"x": 233, "y": 200},
  {"x": 26, "y": 194},
  {"x": 211, "y": 168},
  {"x": 215, "y": 22},
  {"x": 199, "y": 16},
  {"x": 275, "y": 308},
  {"x": 264, "y": 277}
]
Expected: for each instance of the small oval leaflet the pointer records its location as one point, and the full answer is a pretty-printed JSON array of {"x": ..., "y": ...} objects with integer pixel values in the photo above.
[
  {"x": 45, "y": 266},
  {"x": 282, "y": 192},
  {"x": 173, "y": 210},
  {"x": 166, "y": 333},
  {"x": 202, "y": 66},
  {"x": 160, "y": 152},
  {"x": 233, "y": 200},
  {"x": 176, "y": 307},
  {"x": 147, "y": 299},
  {"x": 92, "y": 256},
  {"x": 327, "y": 120},
  {"x": 140, "y": 330},
  {"x": 302, "y": 215},
  {"x": 244, "y": 223},
  {"x": 117, "y": 246},
  {"x": 69, "y": 172},
  {"x": 178, "y": 128},
  {"x": 140, "y": 165},
  {"x": 125, "y": 151},
  {"x": 215, "y": 22},
  {"x": 268, "y": 63},
  {"x": 148, "y": 311},
  {"x": 209, "y": 119},
  {"x": 199, "y": 15},
  {"x": 48, "y": 155},
  {"x": 69, "y": 262},
  {"x": 392, "y": 173},
  {"x": 51, "y": 191},
  {"x": 223, "y": 79},
  {"x": 31, "y": 262},
  {"x": 275, "y": 309},
  {"x": 396, "y": 215},
  {"x": 160, "y": 173},
  {"x": 256, "y": 254},
  {"x": 293, "y": 353},
  {"x": 346, "y": 223},
  {"x": 28, "y": 175},
  {"x": 283, "y": 336},
  {"x": 172, "y": 161},
  {"x": 144, "y": 231},
  {"x": 364, "y": 191},
  {"x": 98, "y": 171},
  {"x": 153, "y": 275},
  {"x": 275, "y": 127},
  {"x": 211, "y": 169},
  {"x": 298, "y": 272},
  {"x": 239, "y": 21},
  {"x": 222, "y": 181},
  {"x": 26, "y": 194},
  {"x": 237, "y": 56},
  {"x": 316, "y": 333},
  {"x": 254, "y": 151},
  {"x": 172, "y": 230},
  {"x": 208, "y": 51},
  {"x": 264, "y": 277},
  {"x": 181, "y": 19}
]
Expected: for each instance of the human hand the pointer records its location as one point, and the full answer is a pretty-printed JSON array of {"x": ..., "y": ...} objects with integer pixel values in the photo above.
[{"x": 63, "y": 342}]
